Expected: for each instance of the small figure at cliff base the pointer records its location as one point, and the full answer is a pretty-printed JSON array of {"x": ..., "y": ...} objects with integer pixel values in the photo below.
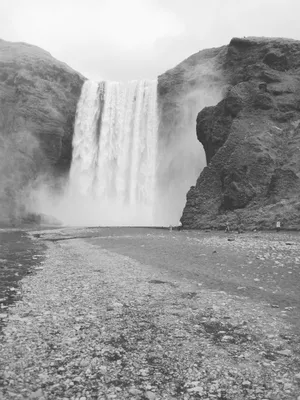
[{"x": 278, "y": 226}]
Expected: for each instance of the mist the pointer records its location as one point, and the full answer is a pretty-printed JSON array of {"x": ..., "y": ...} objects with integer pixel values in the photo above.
[
  {"x": 73, "y": 209},
  {"x": 21, "y": 159},
  {"x": 181, "y": 155},
  {"x": 180, "y": 159},
  {"x": 183, "y": 158}
]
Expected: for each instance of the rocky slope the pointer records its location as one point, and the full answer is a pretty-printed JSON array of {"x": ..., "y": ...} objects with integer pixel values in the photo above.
[
  {"x": 251, "y": 140},
  {"x": 38, "y": 97},
  {"x": 195, "y": 83},
  {"x": 38, "y": 94}
]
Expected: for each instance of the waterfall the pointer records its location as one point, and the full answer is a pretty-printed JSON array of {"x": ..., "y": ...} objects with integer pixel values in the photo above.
[{"x": 113, "y": 169}]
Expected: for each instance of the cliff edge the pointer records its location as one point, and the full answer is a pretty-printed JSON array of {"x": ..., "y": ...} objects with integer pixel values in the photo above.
[
  {"x": 251, "y": 140},
  {"x": 38, "y": 94},
  {"x": 195, "y": 83},
  {"x": 38, "y": 97}
]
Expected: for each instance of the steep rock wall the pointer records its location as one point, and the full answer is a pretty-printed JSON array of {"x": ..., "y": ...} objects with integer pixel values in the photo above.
[
  {"x": 38, "y": 94},
  {"x": 252, "y": 141},
  {"x": 38, "y": 98},
  {"x": 193, "y": 84}
]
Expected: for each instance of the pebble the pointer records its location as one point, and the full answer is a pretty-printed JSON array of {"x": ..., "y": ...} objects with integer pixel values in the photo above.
[
  {"x": 286, "y": 352},
  {"x": 116, "y": 304},
  {"x": 227, "y": 338},
  {"x": 36, "y": 395},
  {"x": 266, "y": 364},
  {"x": 103, "y": 369},
  {"x": 246, "y": 384},
  {"x": 287, "y": 386},
  {"x": 84, "y": 363},
  {"x": 150, "y": 395},
  {"x": 143, "y": 372},
  {"x": 134, "y": 391},
  {"x": 197, "y": 389}
]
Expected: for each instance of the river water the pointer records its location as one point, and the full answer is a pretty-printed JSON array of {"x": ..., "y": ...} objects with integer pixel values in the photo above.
[{"x": 19, "y": 256}]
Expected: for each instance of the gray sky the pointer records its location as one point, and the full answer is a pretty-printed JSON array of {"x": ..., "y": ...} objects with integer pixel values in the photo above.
[{"x": 134, "y": 39}]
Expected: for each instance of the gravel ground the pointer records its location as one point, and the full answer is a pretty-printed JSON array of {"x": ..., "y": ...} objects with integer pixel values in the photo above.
[{"x": 98, "y": 324}]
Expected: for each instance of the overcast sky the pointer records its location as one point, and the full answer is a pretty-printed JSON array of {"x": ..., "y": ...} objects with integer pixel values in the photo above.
[{"x": 134, "y": 39}]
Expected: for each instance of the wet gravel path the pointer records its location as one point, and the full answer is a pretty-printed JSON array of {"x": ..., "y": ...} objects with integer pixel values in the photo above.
[
  {"x": 264, "y": 267},
  {"x": 144, "y": 321}
]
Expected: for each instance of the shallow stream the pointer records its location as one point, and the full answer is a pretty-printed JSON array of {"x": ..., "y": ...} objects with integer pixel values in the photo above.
[{"x": 19, "y": 256}]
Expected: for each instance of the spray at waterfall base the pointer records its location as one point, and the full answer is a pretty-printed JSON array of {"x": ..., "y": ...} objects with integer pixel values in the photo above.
[{"x": 123, "y": 171}]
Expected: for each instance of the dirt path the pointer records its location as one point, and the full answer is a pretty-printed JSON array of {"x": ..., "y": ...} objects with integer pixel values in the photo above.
[{"x": 99, "y": 324}]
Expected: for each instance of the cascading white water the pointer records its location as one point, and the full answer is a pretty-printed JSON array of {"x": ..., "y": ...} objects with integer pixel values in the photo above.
[
  {"x": 127, "y": 170},
  {"x": 85, "y": 146},
  {"x": 113, "y": 169}
]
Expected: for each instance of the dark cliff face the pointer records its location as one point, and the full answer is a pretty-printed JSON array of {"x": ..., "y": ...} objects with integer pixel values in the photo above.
[
  {"x": 193, "y": 84},
  {"x": 252, "y": 140},
  {"x": 38, "y": 94},
  {"x": 38, "y": 97}
]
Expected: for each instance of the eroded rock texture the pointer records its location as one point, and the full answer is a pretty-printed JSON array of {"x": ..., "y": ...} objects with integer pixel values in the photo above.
[
  {"x": 38, "y": 94},
  {"x": 195, "y": 83},
  {"x": 38, "y": 98},
  {"x": 252, "y": 141}
]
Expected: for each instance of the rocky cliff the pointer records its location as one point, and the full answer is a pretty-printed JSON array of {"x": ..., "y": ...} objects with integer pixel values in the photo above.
[
  {"x": 252, "y": 140},
  {"x": 195, "y": 83},
  {"x": 38, "y": 97}
]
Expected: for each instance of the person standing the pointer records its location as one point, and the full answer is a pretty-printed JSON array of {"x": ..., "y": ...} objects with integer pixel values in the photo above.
[
  {"x": 227, "y": 229},
  {"x": 278, "y": 226}
]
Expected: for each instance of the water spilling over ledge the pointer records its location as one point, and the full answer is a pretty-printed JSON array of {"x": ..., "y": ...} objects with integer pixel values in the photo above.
[
  {"x": 134, "y": 153},
  {"x": 113, "y": 168}
]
